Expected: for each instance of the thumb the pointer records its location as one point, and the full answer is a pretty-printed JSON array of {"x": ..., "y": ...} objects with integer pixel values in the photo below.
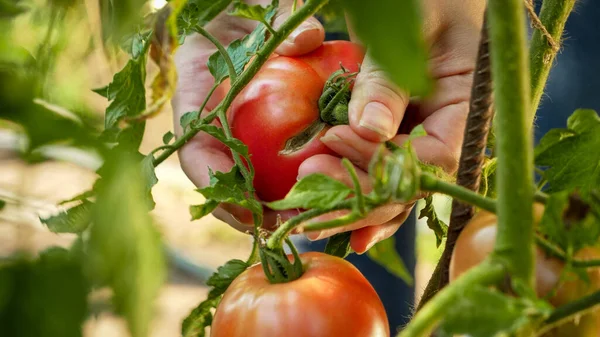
[
  {"x": 377, "y": 105},
  {"x": 308, "y": 36}
]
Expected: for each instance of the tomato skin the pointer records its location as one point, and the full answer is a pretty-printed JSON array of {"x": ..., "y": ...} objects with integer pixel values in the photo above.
[
  {"x": 332, "y": 298},
  {"x": 279, "y": 103},
  {"x": 476, "y": 242}
]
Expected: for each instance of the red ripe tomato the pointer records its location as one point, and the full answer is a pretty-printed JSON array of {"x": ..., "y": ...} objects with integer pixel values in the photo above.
[
  {"x": 280, "y": 102},
  {"x": 331, "y": 299},
  {"x": 476, "y": 242}
]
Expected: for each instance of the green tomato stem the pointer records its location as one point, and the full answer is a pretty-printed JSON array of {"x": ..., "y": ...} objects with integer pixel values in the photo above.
[
  {"x": 276, "y": 239},
  {"x": 360, "y": 199},
  {"x": 186, "y": 136},
  {"x": 432, "y": 184},
  {"x": 555, "y": 251},
  {"x": 570, "y": 310},
  {"x": 337, "y": 222},
  {"x": 430, "y": 315},
  {"x": 222, "y": 51},
  {"x": 514, "y": 147},
  {"x": 553, "y": 16}
]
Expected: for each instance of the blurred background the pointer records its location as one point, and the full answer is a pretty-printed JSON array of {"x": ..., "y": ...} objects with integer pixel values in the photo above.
[{"x": 67, "y": 37}]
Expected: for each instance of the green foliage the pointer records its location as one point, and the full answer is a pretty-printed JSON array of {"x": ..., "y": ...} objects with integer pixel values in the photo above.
[
  {"x": 385, "y": 254},
  {"x": 571, "y": 154},
  {"x": 569, "y": 222},
  {"x": 195, "y": 324},
  {"x": 2, "y": 204},
  {"x": 243, "y": 10},
  {"x": 43, "y": 297},
  {"x": 74, "y": 220},
  {"x": 433, "y": 221},
  {"x": 395, "y": 176},
  {"x": 200, "y": 211},
  {"x": 11, "y": 8},
  {"x": 127, "y": 93},
  {"x": 227, "y": 187},
  {"x": 240, "y": 51},
  {"x": 487, "y": 186},
  {"x": 198, "y": 12},
  {"x": 120, "y": 18},
  {"x": 339, "y": 245},
  {"x": 168, "y": 137},
  {"x": 391, "y": 30},
  {"x": 313, "y": 191},
  {"x": 484, "y": 312},
  {"x": 125, "y": 250}
]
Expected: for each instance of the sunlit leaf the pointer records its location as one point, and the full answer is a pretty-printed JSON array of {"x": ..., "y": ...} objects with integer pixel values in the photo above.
[
  {"x": 385, "y": 254},
  {"x": 433, "y": 221},
  {"x": 391, "y": 30},
  {"x": 74, "y": 220},
  {"x": 313, "y": 191},
  {"x": 198, "y": 12},
  {"x": 125, "y": 249}
]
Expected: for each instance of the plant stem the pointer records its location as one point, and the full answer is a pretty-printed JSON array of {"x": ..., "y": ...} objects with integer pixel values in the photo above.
[
  {"x": 248, "y": 176},
  {"x": 269, "y": 27},
  {"x": 334, "y": 223},
  {"x": 222, "y": 51},
  {"x": 426, "y": 320},
  {"x": 553, "y": 16},
  {"x": 360, "y": 199},
  {"x": 571, "y": 309},
  {"x": 187, "y": 135},
  {"x": 276, "y": 239},
  {"x": 433, "y": 184},
  {"x": 555, "y": 251},
  {"x": 514, "y": 141}
]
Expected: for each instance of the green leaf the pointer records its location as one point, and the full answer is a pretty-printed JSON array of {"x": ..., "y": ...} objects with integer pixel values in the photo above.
[
  {"x": 572, "y": 155},
  {"x": 80, "y": 197},
  {"x": 313, "y": 191},
  {"x": 119, "y": 18},
  {"x": 10, "y": 9},
  {"x": 503, "y": 315},
  {"x": 150, "y": 178},
  {"x": 234, "y": 144},
  {"x": 127, "y": 93},
  {"x": 240, "y": 51},
  {"x": 339, "y": 245},
  {"x": 243, "y": 10},
  {"x": 167, "y": 137},
  {"x": 433, "y": 221},
  {"x": 487, "y": 187},
  {"x": 125, "y": 250},
  {"x": 229, "y": 187},
  {"x": 74, "y": 220},
  {"x": 194, "y": 325},
  {"x": 384, "y": 253},
  {"x": 200, "y": 211},
  {"x": 187, "y": 118},
  {"x": 43, "y": 297},
  {"x": 391, "y": 30},
  {"x": 2, "y": 204},
  {"x": 416, "y": 132},
  {"x": 569, "y": 223},
  {"x": 198, "y": 12}
]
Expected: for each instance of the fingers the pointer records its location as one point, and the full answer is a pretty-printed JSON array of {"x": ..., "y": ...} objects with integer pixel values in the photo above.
[
  {"x": 365, "y": 238},
  {"x": 377, "y": 105}
]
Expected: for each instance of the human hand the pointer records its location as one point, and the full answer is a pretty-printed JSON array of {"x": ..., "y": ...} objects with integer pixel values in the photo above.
[
  {"x": 194, "y": 83},
  {"x": 380, "y": 111}
]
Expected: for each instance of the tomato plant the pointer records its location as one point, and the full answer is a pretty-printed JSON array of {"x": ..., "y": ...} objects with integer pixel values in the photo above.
[
  {"x": 331, "y": 298},
  {"x": 476, "y": 242},
  {"x": 277, "y": 114}
]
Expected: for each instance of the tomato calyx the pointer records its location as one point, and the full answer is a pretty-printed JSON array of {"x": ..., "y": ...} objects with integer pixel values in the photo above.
[
  {"x": 298, "y": 141},
  {"x": 276, "y": 265},
  {"x": 333, "y": 103}
]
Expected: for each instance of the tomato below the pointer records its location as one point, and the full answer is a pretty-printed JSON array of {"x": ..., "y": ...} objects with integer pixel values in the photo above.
[
  {"x": 331, "y": 299},
  {"x": 280, "y": 102},
  {"x": 476, "y": 242}
]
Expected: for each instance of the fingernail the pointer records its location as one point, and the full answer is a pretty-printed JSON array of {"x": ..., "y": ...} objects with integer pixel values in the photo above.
[
  {"x": 378, "y": 118},
  {"x": 330, "y": 137},
  {"x": 304, "y": 27}
]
